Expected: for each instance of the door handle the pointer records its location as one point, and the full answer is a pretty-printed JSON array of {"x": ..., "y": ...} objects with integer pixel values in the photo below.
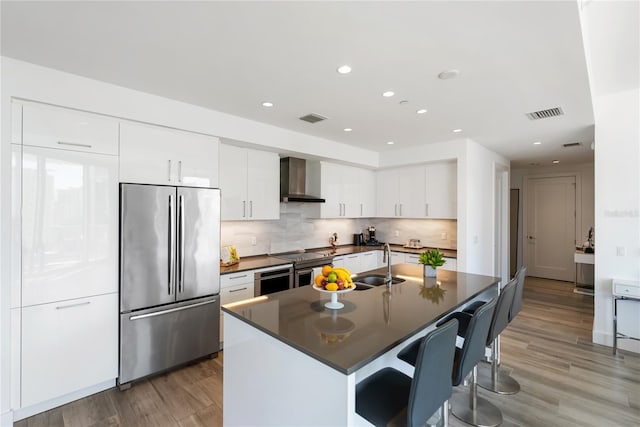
[
  {"x": 179, "y": 170},
  {"x": 181, "y": 243},
  {"x": 62, "y": 307},
  {"x": 170, "y": 246},
  {"x": 74, "y": 144},
  {"x": 169, "y": 170},
  {"x": 250, "y": 208},
  {"x": 244, "y": 209},
  {"x": 400, "y": 209}
]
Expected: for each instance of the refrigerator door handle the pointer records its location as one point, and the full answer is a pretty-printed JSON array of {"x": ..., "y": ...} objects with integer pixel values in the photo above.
[
  {"x": 171, "y": 246},
  {"x": 181, "y": 243},
  {"x": 171, "y": 310}
]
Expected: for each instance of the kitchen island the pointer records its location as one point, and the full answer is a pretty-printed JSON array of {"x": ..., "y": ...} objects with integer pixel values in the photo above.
[{"x": 288, "y": 360}]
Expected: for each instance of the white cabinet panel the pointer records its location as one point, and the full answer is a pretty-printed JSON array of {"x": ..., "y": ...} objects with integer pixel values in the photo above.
[
  {"x": 349, "y": 192},
  {"x": 263, "y": 188},
  {"x": 67, "y": 346},
  {"x": 369, "y": 260},
  {"x": 46, "y": 126},
  {"x": 441, "y": 190},
  {"x": 16, "y": 225},
  {"x": 234, "y": 279},
  {"x": 250, "y": 184},
  {"x": 397, "y": 258},
  {"x": 401, "y": 192},
  {"x": 450, "y": 264},
  {"x": 412, "y": 258},
  {"x": 158, "y": 155},
  {"x": 69, "y": 225},
  {"x": 339, "y": 261},
  {"x": 353, "y": 263},
  {"x": 236, "y": 293},
  {"x": 235, "y": 287}
]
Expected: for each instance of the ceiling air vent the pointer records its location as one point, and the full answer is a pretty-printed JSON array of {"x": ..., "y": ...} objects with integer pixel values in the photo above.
[
  {"x": 545, "y": 114},
  {"x": 571, "y": 144},
  {"x": 313, "y": 118}
]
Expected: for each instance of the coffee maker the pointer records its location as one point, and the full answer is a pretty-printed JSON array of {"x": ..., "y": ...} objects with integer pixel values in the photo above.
[{"x": 372, "y": 241}]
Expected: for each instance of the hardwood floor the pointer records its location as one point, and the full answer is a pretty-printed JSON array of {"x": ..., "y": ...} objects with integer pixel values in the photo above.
[{"x": 565, "y": 379}]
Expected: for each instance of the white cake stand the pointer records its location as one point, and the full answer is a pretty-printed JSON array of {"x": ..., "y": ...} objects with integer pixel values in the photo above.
[{"x": 334, "y": 304}]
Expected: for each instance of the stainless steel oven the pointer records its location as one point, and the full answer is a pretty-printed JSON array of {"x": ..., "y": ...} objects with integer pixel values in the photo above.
[
  {"x": 273, "y": 280},
  {"x": 303, "y": 265}
]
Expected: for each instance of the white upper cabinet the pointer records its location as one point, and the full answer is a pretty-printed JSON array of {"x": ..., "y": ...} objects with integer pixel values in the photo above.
[
  {"x": 69, "y": 224},
  {"x": 401, "y": 192},
  {"x": 250, "y": 184},
  {"x": 441, "y": 190},
  {"x": 425, "y": 191},
  {"x": 157, "y": 155},
  {"x": 349, "y": 192},
  {"x": 53, "y": 127}
]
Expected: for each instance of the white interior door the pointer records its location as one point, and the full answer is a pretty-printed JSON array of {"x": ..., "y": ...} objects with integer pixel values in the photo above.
[{"x": 550, "y": 227}]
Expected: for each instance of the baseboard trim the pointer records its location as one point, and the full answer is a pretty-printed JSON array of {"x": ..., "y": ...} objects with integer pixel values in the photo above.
[
  {"x": 22, "y": 413},
  {"x": 602, "y": 338}
]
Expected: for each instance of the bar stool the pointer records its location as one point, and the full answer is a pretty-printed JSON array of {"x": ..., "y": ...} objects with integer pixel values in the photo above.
[
  {"x": 383, "y": 396},
  {"x": 472, "y": 409}
]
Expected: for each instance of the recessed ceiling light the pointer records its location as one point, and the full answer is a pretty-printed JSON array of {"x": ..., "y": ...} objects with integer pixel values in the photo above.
[
  {"x": 267, "y": 104},
  {"x": 390, "y": 142},
  {"x": 457, "y": 130},
  {"x": 421, "y": 111},
  {"x": 347, "y": 129},
  {"x": 555, "y": 162},
  {"x": 448, "y": 74},
  {"x": 388, "y": 94},
  {"x": 537, "y": 143},
  {"x": 344, "y": 69}
]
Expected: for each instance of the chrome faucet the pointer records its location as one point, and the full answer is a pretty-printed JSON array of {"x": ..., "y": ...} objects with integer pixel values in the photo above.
[{"x": 387, "y": 256}]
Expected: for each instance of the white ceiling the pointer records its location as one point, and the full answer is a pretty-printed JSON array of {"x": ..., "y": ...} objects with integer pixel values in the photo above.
[{"x": 514, "y": 57}]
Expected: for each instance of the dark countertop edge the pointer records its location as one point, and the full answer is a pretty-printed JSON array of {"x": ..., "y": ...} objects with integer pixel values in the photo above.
[
  {"x": 255, "y": 262},
  {"x": 365, "y": 362}
]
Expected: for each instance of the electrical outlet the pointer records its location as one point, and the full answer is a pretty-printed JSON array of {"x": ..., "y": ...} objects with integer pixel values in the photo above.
[
  {"x": 253, "y": 240},
  {"x": 396, "y": 233},
  {"x": 443, "y": 236}
]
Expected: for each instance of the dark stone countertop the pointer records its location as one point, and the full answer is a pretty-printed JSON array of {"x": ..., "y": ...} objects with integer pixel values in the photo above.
[
  {"x": 264, "y": 261},
  {"x": 372, "y": 321}
]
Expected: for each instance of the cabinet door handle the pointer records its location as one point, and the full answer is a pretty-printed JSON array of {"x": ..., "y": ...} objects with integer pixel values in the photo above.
[
  {"x": 244, "y": 209},
  {"x": 426, "y": 209},
  {"x": 250, "y": 208},
  {"x": 238, "y": 277},
  {"x": 400, "y": 209},
  {"x": 179, "y": 170},
  {"x": 74, "y": 144},
  {"x": 62, "y": 307},
  {"x": 395, "y": 209},
  {"x": 169, "y": 170},
  {"x": 360, "y": 209},
  {"x": 368, "y": 254},
  {"x": 238, "y": 290}
]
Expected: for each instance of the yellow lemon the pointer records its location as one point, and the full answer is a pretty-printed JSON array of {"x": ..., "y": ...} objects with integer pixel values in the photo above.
[{"x": 332, "y": 287}]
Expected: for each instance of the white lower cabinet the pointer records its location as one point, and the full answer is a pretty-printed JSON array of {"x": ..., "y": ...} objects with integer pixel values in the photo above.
[
  {"x": 450, "y": 264},
  {"x": 397, "y": 258},
  {"x": 67, "y": 346},
  {"x": 235, "y": 287},
  {"x": 352, "y": 263},
  {"x": 370, "y": 260}
]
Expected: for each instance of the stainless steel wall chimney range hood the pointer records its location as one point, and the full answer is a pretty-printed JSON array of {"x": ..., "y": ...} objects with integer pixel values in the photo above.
[{"x": 293, "y": 174}]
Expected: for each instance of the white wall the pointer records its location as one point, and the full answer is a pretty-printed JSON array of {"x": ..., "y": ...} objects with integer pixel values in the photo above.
[
  {"x": 584, "y": 193},
  {"x": 611, "y": 31}
]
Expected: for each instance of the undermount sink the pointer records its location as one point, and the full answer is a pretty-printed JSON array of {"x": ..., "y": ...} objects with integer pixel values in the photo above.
[{"x": 366, "y": 282}]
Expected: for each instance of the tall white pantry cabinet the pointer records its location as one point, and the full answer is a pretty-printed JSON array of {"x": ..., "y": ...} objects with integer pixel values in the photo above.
[{"x": 65, "y": 295}]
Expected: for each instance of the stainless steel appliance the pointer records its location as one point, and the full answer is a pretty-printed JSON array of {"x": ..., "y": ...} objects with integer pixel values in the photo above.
[
  {"x": 304, "y": 263},
  {"x": 358, "y": 239},
  {"x": 169, "y": 277},
  {"x": 273, "y": 280}
]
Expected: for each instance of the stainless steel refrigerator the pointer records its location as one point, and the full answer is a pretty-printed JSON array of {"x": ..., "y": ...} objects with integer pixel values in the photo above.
[{"x": 169, "y": 277}]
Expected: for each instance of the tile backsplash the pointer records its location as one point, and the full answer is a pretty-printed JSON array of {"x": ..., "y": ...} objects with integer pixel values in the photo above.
[{"x": 294, "y": 230}]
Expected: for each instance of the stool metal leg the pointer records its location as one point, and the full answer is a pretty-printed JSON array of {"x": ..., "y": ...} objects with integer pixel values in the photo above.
[
  {"x": 496, "y": 380},
  {"x": 474, "y": 409},
  {"x": 445, "y": 413}
]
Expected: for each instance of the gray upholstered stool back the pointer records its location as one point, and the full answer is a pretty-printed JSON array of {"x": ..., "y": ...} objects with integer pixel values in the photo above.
[
  {"x": 503, "y": 307},
  {"x": 431, "y": 385},
  {"x": 517, "y": 299},
  {"x": 475, "y": 339}
]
